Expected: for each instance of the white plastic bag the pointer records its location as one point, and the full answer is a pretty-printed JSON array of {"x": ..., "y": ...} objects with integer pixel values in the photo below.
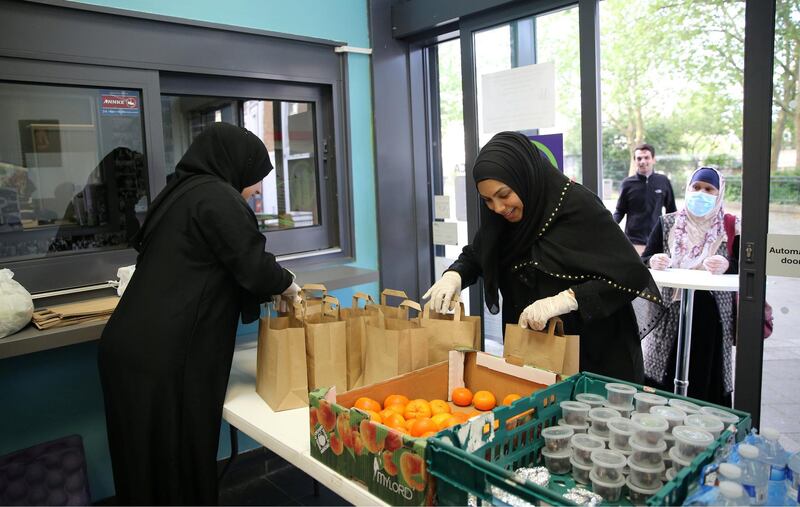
[
  {"x": 124, "y": 274},
  {"x": 16, "y": 305}
]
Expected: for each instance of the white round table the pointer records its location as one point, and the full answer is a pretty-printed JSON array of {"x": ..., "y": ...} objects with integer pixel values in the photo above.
[{"x": 688, "y": 281}]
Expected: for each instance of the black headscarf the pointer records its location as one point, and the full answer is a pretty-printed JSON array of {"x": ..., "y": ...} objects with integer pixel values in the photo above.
[
  {"x": 220, "y": 152},
  {"x": 565, "y": 229}
]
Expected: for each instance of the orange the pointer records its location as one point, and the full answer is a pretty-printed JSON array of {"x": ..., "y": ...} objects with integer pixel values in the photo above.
[
  {"x": 422, "y": 426},
  {"x": 385, "y": 413},
  {"x": 410, "y": 423},
  {"x": 365, "y": 403},
  {"x": 484, "y": 400},
  {"x": 416, "y": 409},
  {"x": 428, "y": 434},
  {"x": 461, "y": 396},
  {"x": 397, "y": 408},
  {"x": 439, "y": 407},
  {"x": 508, "y": 400},
  {"x": 395, "y": 421},
  {"x": 441, "y": 420},
  {"x": 395, "y": 399},
  {"x": 451, "y": 420},
  {"x": 374, "y": 416}
]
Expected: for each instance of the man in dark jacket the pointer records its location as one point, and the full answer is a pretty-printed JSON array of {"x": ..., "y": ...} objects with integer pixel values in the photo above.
[{"x": 642, "y": 197}]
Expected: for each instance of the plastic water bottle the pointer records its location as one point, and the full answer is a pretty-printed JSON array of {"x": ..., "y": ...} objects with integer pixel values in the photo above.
[
  {"x": 771, "y": 451},
  {"x": 793, "y": 480},
  {"x": 730, "y": 493},
  {"x": 730, "y": 472},
  {"x": 755, "y": 474}
]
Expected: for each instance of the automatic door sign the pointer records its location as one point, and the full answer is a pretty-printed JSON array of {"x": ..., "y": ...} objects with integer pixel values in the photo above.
[{"x": 783, "y": 255}]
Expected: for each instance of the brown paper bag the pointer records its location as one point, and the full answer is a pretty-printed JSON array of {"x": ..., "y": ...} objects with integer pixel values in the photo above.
[
  {"x": 391, "y": 312},
  {"x": 449, "y": 331},
  {"x": 394, "y": 346},
  {"x": 312, "y": 294},
  {"x": 549, "y": 350},
  {"x": 356, "y": 319},
  {"x": 326, "y": 346},
  {"x": 281, "y": 378}
]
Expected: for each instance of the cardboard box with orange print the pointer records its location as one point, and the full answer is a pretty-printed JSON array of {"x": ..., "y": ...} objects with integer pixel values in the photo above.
[{"x": 389, "y": 462}]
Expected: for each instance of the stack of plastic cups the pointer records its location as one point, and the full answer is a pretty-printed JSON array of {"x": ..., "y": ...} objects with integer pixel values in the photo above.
[
  {"x": 646, "y": 461},
  {"x": 574, "y": 415},
  {"x": 685, "y": 405},
  {"x": 581, "y": 461},
  {"x": 620, "y": 431},
  {"x": 606, "y": 476},
  {"x": 599, "y": 417},
  {"x": 593, "y": 400},
  {"x": 674, "y": 417},
  {"x": 705, "y": 422},
  {"x": 689, "y": 442},
  {"x": 556, "y": 449},
  {"x": 645, "y": 401},
  {"x": 620, "y": 398}
]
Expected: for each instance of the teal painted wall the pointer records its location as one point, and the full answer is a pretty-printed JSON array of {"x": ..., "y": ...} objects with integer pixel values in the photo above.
[{"x": 55, "y": 393}]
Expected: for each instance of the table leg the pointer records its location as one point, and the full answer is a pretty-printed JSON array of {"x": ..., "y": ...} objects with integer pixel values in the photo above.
[
  {"x": 684, "y": 342},
  {"x": 234, "y": 450}
]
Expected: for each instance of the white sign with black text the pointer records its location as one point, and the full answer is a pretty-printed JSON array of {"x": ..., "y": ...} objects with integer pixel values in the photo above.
[
  {"x": 783, "y": 255},
  {"x": 445, "y": 233}
]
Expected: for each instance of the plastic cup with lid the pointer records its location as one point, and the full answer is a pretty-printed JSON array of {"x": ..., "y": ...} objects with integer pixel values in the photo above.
[
  {"x": 576, "y": 428},
  {"x": 730, "y": 472},
  {"x": 691, "y": 441},
  {"x": 620, "y": 394},
  {"x": 582, "y": 447},
  {"x": 670, "y": 473},
  {"x": 685, "y": 405},
  {"x": 557, "y": 462},
  {"x": 556, "y": 438},
  {"x": 620, "y": 431},
  {"x": 639, "y": 495},
  {"x": 599, "y": 418},
  {"x": 678, "y": 461},
  {"x": 647, "y": 455},
  {"x": 645, "y": 401},
  {"x": 645, "y": 476},
  {"x": 575, "y": 412},
  {"x": 580, "y": 471},
  {"x": 673, "y": 415},
  {"x": 593, "y": 400},
  {"x": 705, "y": 422},
  {"x": 624, "y": 410},
  {"x": 607, "y": 465},
  {"x": 723, "y": 415},
  {"x": 649, "y": 428},
  {"x": 610, "y": 490}
]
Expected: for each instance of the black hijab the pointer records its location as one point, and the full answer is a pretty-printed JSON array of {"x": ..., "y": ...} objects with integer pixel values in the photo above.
[
  {"x": 565, "y": 230},
  {"x": 220, "y": 152}
]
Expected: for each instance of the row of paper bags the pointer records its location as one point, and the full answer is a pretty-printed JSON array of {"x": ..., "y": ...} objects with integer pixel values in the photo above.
[{"x": 317, "y": 343}]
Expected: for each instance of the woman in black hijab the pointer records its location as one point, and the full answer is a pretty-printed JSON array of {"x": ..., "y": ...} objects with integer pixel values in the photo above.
[
  {"x": 165, "y": 354},
  {"x": 551, "y": 248}
]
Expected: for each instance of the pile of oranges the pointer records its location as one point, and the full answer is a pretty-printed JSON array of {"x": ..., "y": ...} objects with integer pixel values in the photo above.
[{"x": 423, "y": 418}]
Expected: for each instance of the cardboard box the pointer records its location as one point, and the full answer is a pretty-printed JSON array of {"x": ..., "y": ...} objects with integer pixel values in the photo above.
[{"x": 390, "y": 464}]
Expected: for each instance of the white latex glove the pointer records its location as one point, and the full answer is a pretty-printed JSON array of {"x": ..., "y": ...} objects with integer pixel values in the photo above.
[
  {"x": 535, "y": 316},
  {"x": 660, "y": 261},
  {"x": 716, "y": 264},
  {"x": 443, "y": 291}
]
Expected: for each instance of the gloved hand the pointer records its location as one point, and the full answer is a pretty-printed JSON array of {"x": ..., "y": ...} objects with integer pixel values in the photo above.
[
  {"x": 535, "y": 316},
  {"x": 443, "y": 291},
  {"x": 286, "y": 298},
  {"x": 716, "y": 264},
  {"x": 660, "y": 261}
]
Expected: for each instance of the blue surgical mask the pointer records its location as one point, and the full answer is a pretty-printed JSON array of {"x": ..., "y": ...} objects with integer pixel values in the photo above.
[{"x": 700, "y": 204}]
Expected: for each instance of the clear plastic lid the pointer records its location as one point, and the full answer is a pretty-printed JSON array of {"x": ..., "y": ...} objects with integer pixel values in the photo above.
[
  {"x": 730, "y": 471},
  {"x": 575, "y": 405},
  {"x": 564, "y": 453},
  {"x": 677, "y": 458},
  {"x": 692, "y": 435},
  {"x": 748, "y": 451},
  {"x": 621, "y": 425},
  {"x": 586, "y": 442},
  {"x": 722, "y": 415},
  {"x": 650, "y": 422},
  {"x": 602, "y": 414},
  {"x": 671, "y": 414},
  {"x": 557, "y": 432},
  {"x": 591, "y": 399},
  {"x": 730, "y": 489},
  {"x": 575, "y": 427},
  {"x": 608, "y": 458},
  {"x": 620, "y": 388},
  {"x": 646, "y": 469},
  {"x": 704, "y": 421},
  {"x": 660, "y": 447},
  {"x": 581, "y": 466},
  {"x": 642, "y": 491},
  {"x": 670, "y": 473},
  {"x": 686, "y": 406},
  {"x": 770, "y": 434},
  {"x": 619, "y": 408},
  {"x": 652, "y": 399}
]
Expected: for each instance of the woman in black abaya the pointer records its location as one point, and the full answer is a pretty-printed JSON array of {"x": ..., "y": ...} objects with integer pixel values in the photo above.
[
  {"x": 165, "y": 354},
  {"x": 551, "y": 248}
]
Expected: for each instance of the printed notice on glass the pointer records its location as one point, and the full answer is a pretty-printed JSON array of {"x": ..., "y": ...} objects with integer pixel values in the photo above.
[
  {"x": 783, "y": 255},
  {"x": 445, "y": 233},
  {"x": 441, "y": 204},
  {"x": 523, "y": 98}
]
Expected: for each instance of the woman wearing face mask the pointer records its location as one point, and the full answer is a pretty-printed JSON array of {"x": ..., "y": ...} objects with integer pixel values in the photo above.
[
  {"x": 695, "y": 238},
  {"x": 551, "y": 248}
]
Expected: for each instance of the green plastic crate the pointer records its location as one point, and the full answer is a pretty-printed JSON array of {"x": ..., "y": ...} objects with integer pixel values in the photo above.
[{"x": 465, "y": 465}]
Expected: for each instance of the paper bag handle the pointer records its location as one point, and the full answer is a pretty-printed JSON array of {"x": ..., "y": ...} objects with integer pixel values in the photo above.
[
  {"x": 360, "y": 296},
  {"x": 331, "y": 307},
  {"x": 455, "y": 305},
  {"x": 410, "y": 304},
  {"x": 392, "y": 292},
  {"x": 555, "y": 327},
  {"x": 314, "y": 287}
]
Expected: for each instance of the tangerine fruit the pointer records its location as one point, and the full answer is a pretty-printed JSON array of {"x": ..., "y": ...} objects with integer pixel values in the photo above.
[
  {"x": 395, "y": 421},
  {"x": 452, "y": 420},
  {"x": 441, "y": 420},
  {"x": 416, "y": 409},
  {"x": 484, "y": 400},
  {"x": 397, "y": 408},
  {"x": 395, "y": 399},
  {"x": 386, "y": 412},
  {"x": 439, "y": 407},
  {"x": 410, "y": 423},
  {"x": 461, "y": 396},
  {"x": 428, "y": 434},
  {"x": 423, "y": 425},
  {"x": 511, "y": 398},
  {"x": 367, "y": 404},
  {"x": 375, "y": 416}
]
